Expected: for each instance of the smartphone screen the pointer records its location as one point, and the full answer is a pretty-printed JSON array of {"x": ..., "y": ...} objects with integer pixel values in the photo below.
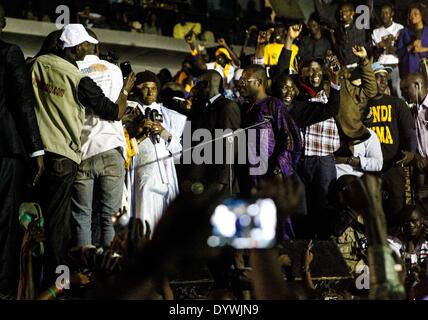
[
  {"x": 244, "y": 224},
  {"x": 126, "y": 68}
]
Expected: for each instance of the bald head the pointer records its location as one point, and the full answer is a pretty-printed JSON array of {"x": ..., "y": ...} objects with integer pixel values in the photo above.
[
  {"x": 214, "y": 82},
  {"x": 414, "y": 88}
]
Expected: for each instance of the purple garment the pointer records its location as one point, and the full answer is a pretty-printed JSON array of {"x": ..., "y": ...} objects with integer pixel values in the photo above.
[
  {"x": 409, "y": 61},
  {"x": 280, "y": 137}
]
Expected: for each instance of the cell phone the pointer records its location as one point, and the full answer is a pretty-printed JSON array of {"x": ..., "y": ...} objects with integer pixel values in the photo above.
[
  {"x": 126, "y": 68},
  {"x": 244, "y": 224}
]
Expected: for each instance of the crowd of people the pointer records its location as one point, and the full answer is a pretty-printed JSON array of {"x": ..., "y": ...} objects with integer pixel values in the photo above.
[{"x": 116, "y": 174}]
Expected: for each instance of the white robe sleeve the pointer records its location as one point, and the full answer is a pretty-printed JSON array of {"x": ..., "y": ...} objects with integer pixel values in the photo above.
[
  {"x": 373, "y": 160},
  {"x": 175, "y": 123}
]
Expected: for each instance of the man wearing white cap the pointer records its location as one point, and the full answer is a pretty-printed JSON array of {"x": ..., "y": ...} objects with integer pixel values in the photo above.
[
  {"x": 101, "y": 173},
  {"x": 395, "y": 128},
  {"x": 62, "y": 94}
]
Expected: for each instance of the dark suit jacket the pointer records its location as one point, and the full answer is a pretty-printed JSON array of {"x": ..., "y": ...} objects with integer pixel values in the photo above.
[
  {"x": 222, "y": 114},
  {"x": 19, "y": 132}
]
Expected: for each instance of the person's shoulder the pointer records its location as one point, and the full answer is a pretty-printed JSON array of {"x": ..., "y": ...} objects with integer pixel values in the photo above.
[
  {"x": 378, "y": 31},
  {"x": 373, "y": 135},
  {"x": 397, "y": 101},
  {"x": 172, "y": 113},
  {"x": 228, "y": 103},
  {"x": 10, "y": 48},
  {"x": 274, "y": 102},
  {"x": 112, "y": 67},
  {"x": 210, "y": 65},
  {"x": 398, "y": 26}
]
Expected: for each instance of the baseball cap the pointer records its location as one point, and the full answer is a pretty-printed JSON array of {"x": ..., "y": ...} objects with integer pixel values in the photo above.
[
  {"x": 75, "y": 34},
  {"x": 222, "y": 50},
  {"x": 379, "y": 67}
]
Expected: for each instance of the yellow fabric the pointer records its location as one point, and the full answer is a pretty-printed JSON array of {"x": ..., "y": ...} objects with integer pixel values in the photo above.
[
  {"x": 226, "y": 70},
  {"x": 223, "y": 51},
  {"x": 273, "y": 51},
  {"x": 181, "y": 77},
  {"x": 185, "y": 81},
  {"x": 180, "y": 31},
  {"x": 130, "y": 151}
]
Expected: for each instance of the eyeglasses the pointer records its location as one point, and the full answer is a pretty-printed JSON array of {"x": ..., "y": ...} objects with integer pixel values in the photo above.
[{"x": 247, "y": 81}]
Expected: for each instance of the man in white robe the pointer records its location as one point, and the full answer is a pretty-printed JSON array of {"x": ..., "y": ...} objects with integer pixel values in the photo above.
[{"x": 153, "y": 176}]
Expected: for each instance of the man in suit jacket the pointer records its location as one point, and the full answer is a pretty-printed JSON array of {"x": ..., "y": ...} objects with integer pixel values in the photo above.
[
  {"x": 19, "y": 140},
  {"x": 217, "y": 113}
]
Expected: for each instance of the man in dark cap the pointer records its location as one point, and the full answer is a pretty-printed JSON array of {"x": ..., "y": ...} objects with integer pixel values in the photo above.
[{"x": 153, "y": 171}]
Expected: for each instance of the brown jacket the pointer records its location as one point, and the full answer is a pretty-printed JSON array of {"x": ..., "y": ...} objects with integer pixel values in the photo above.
[{"x": 349, "y": 118}]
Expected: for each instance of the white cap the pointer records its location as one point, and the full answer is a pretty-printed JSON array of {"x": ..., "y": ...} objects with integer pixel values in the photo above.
[{"x": 75, "y": 34}]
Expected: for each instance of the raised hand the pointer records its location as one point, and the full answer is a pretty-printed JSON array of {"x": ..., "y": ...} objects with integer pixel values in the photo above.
[
  {"x": 294, "y": 31},
  {"x": 222, "y": 42},
  {"x": 262, "y": 38},
  {"x": 334, "y": 69},
  {"x": 359, "y": 51},
  {"x": 129, "y": 82},
  {"x": 308, "y": 256}
]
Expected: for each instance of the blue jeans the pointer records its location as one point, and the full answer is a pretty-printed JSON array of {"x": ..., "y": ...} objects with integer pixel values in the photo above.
[{"x": 100, "y": 177}]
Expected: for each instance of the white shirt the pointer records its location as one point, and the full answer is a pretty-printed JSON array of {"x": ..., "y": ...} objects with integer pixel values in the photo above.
[
  {"x": 100, "y": 135},
  {"x": 219, "y": 69},
  {"x": 422, "y": 128},
  {"x": 370, "y": 154},
  {"x": 377, "y": 36}
]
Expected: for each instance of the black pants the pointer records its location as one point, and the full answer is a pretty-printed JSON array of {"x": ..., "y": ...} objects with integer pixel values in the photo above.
[
  {"x": 11, "y": 195},
  {"x": 318, "y": 174},
  {"x": 54, "y": 196},
  {"x": 394, "y": 193}
]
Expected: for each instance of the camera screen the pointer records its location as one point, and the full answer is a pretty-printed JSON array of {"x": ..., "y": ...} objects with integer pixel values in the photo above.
[{"x": 244, "y": 224}]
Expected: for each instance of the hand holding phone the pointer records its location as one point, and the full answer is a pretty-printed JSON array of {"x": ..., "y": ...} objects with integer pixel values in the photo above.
[
  {"x": 244, "y": 224},
  {"x": 126, "y": 69}
]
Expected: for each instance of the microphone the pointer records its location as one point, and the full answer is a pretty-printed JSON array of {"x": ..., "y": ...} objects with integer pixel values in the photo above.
[
  {"x": 156, "y": 116},
  {"x": 147, "y": 113}
]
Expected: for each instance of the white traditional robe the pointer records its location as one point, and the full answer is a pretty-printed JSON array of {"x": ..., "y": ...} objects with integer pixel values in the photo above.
[{"x": 152, "y": 177}]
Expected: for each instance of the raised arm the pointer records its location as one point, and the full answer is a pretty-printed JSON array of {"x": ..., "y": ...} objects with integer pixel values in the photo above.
[
  {"x": 368, "y": 88},
  {"x": 285, "y": 56},
  {"x": 235, "y": 58}
]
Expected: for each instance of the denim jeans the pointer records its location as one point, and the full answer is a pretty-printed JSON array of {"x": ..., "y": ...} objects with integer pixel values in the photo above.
[{"x": 99, "y": 178}]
